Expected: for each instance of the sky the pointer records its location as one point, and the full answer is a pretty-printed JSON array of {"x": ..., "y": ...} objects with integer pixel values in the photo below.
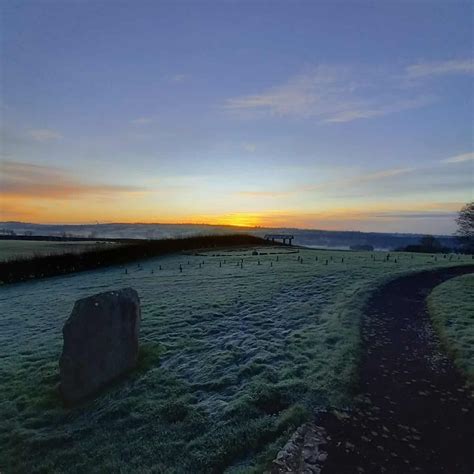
[{"x": 345, "y": 115}]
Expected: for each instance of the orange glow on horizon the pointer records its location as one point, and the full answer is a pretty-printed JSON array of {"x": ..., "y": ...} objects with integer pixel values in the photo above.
[
  {"x": 133, "y": 209},
  {"x": 50, "y": 195},
  {"x": 237, "y": 220}
]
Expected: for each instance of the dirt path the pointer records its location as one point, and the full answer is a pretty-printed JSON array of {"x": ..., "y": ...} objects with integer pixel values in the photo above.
[{"x": 413, "y": 415}]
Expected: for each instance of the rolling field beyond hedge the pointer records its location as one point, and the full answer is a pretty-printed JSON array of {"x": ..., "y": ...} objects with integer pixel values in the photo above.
[{"x": 14, "y": 249}]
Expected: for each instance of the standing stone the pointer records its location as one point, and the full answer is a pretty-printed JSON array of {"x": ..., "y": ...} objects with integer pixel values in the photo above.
[{"x": 100, "y": 342}]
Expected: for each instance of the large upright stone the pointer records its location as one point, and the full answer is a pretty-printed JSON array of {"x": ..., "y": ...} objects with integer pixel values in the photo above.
[{"x": 100, "y": 342}]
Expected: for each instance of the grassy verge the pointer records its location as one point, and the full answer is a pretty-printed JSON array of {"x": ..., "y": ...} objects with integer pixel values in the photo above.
[
  {"x": 451, "y": 306},
  {"x": 21, "y": 269}
]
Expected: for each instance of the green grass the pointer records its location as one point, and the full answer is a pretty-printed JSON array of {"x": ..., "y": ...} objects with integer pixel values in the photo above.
[
  {"x": 233, "y": 360},
  {"x": 451, "y": 306},
  {"x": 14, "y": 249}
]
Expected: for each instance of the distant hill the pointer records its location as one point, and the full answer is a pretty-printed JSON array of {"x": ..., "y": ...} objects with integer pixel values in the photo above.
[{"x": 306, "y": 237}]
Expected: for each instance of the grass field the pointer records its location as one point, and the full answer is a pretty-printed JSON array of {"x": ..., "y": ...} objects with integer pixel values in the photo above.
[
  {"x": 14, "y": 249},
  {"x": 234, "y": 357},
  {"x": 451, "y": 306}
]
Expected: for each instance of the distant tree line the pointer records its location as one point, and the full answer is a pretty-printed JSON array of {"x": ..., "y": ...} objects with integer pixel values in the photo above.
[
  {"x": 428, "y": 244},
  {"x": 464, "y": 234},
  {"x": 362, "y": 247}
]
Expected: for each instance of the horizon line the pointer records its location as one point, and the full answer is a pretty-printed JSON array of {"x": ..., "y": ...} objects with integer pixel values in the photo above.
[{"x": 222, "y": 225}]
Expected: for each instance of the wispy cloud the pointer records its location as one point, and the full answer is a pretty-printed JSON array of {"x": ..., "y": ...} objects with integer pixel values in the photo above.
[
  {"x": 31, "y": 180},
  {"x": 459, "y": 158},
  {"x": 332, "y": 185},
  {"x": 176, "y": 78},
  {"x": 141, "y": 121},
  {"x": 249, "y": 147},
  {"x": 418, "y": 215},
  {"x": 179, "y": 77},
  {"x": 365, "y": 112},
  {"x": 440, "y": 68},
  {"x": 300, "y": 96},
  {"x": 332, "y": 94},
  {"x": 379, "y": 184},
  {"x": 44, "y": 134},
  {"x": 269, "y": 194},
  {"x": 430, "y": 178},
  {"x": 383, "y": 174},
  {"x": 361, "y": 179}
]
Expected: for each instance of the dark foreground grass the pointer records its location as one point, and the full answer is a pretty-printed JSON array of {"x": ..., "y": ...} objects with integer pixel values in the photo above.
[{"x": 21, "y": 269}]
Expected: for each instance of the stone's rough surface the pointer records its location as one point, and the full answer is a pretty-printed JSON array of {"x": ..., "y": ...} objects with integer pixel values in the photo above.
[
  {"x": 100, "y": 342},
  {"x": 304, "y": 452}
]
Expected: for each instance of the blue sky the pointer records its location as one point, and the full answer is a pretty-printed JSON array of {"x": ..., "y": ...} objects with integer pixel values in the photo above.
[{"x": 342, "y": 115}]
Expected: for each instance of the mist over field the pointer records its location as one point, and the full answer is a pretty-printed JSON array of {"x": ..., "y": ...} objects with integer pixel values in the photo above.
[{"x": 307, "y": 237}]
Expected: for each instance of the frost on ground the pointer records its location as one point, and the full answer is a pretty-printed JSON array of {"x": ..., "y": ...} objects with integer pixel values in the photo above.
[
  {"x": 234, "y": 357},
  {"x": 451, "y": 306}
]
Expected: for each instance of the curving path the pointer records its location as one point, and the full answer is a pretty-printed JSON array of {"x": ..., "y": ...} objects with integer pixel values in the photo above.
[{"x": 414, "y": 413}]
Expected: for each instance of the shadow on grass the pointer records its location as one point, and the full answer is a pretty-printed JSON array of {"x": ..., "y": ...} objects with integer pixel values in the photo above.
[
  {"x": 45, "y": 394},
  {"x": 148, "y": 357}
]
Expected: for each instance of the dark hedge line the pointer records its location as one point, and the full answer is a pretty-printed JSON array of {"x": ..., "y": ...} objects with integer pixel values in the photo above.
[{"x": 17, "y": 270}]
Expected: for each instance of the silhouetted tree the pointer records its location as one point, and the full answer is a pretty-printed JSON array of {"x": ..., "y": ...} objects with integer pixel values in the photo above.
[{"x": 465, "y": 231}]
